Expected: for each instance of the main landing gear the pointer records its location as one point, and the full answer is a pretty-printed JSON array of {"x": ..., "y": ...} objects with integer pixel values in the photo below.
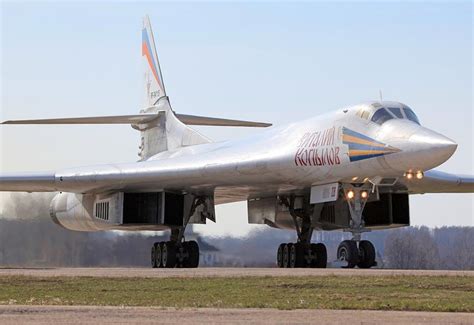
[
  {"x": 169, "y": 254},
  {"x": 356, "y": 251},
  {"x": 302, "y": 253},
  {"x": 350, "y": 253},
  {"x": 176, "y": 252}
]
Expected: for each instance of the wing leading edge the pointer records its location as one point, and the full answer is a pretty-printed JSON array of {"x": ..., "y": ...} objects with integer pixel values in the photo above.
[
  {"x": 137, "y": 176},
  {"x": 440, "y": 182},
  {"x": 28, "y": 182}
]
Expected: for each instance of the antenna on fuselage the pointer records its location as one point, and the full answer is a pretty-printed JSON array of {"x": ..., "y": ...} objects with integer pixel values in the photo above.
[{"x": 380, "y": 95}]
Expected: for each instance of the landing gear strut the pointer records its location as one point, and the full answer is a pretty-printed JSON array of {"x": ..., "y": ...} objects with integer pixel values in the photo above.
[
  {"x": 356, "y": 251},
  {"x": 177, "y": 252},
  {"x": 302, "y": 253}
]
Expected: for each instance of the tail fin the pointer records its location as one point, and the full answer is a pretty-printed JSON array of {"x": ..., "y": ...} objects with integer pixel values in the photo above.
[
  {"x": 154, "y": 87},
  {"x": 166, "y": 132},
  {"x": 161, "y": 128}
]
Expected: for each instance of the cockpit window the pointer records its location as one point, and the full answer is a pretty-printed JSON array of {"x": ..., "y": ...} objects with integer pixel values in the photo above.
[
  {"x": 396, "y": 111},
  {"x": 381, "y": 116},
  {"x": 364, "y": 113},
  {"x": 411, "y": 115}
]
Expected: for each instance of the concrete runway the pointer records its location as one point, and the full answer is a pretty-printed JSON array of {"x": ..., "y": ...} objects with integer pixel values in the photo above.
[
  {"x": 219, "y": 272},
  {"x": 150, "y": 315}
]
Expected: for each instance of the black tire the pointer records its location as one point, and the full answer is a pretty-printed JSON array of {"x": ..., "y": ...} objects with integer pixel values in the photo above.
[
  {"x": 192, "y": 248},
  {"x": 298, "y": 251},
  {"x": 321, "y": 253},
  {"x": 366, "y": 254},
  {"x": 314, "y": 255},
  {"x": 168, "y": 254},
  {"x": 153, "y": 256},
  {"x": 292, "y": 255},
  {"x": 280, "y": 255},
  {"x": 159, "y": 254},
  {"x": 286, "y": 255},
  {"x": 348, "y": 251}
]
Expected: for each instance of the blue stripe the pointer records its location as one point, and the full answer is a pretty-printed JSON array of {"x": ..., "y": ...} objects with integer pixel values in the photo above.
[
  {"x": 358, "y": 146},
  {"x": 145, "y": 38},
  {"x": 357, "y": 158}
]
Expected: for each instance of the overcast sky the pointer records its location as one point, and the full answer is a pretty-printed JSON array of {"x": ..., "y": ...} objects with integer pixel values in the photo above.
[{"x": 272, "y": 62}]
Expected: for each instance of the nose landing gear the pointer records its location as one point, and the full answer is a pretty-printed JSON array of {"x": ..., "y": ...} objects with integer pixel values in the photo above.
[
  {"x": 356, "y": 251},
  {"x": 366, "y": 255},
  {"x": 349, "y": 253},
  {"x": 362, "y": 256}
]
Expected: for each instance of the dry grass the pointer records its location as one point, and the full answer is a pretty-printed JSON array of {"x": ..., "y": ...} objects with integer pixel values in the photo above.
[{"x": 420, "y": 293}]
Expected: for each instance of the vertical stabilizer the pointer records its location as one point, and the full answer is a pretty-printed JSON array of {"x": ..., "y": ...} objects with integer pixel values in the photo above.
[
  {"x": 166, "y": 132},
  {"x": 154, "y": 87}
]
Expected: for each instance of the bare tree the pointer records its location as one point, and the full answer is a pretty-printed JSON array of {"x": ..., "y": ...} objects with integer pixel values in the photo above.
[
  {"x": 29, "y": 238},
  {"x": 411, "y": 248}
]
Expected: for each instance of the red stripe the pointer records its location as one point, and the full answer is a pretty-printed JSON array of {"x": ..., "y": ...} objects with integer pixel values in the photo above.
[{"x": 147, "y": 53}]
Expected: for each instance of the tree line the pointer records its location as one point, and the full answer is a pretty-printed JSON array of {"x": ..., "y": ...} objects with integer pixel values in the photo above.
[{"x": 28, "y": 238}]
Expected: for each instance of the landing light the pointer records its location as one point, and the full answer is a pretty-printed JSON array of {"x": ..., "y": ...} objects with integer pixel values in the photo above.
[
  {"x": 364, "y": 194},
  {"x": 350, "y": 194},
  {"x": 419, "y": 175},
  {"x": 409, "y": 175}
]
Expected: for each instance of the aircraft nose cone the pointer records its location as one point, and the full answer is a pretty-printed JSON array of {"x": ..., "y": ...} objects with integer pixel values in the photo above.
[
  {"x": 430, "y": 148},
  {"x": 419, "y": 147}
]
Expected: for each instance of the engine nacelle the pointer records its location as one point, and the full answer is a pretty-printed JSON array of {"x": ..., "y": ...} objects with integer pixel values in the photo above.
[
  {"x": 387, "y": 210},
  {"x": 75, "y": 212},
  {"x": 128, "y": 211},
  {"x": 270, "y": 212}
]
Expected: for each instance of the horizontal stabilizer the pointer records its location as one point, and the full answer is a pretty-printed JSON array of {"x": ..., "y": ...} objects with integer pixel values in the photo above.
[
  {"x": 202, "y": 120},
  {"x": 121, "y": 119},
  {"x": 141, "y": 119}
]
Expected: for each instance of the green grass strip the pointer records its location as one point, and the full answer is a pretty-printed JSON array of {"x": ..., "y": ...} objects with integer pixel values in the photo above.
[{"x": 420, "y": 293}]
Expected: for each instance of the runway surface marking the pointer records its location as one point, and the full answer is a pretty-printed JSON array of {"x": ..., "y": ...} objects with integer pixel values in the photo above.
[
  {"x": 220, "y": 272},
  {"x": 148, "y": 315}
]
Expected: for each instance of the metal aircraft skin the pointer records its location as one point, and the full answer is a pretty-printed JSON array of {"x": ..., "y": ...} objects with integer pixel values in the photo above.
[
  {"x": 335, "y": 147},
  {"x": 362, "y": 146}
]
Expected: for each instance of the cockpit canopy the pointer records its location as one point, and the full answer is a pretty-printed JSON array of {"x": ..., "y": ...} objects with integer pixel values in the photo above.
[{"x": 380, "y": 113}]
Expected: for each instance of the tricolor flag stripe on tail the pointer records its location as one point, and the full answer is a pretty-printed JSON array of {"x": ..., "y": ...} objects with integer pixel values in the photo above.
[
  {"x": 363, "y": 147},
  {"x": 147, "y": 51}
]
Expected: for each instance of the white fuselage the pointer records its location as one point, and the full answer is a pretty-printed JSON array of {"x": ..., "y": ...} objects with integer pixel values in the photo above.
[{"x": 279, "y": 159}]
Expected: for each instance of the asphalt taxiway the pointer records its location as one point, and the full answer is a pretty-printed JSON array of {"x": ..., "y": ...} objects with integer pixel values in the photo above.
[
  {"x": 152, "y": 315},
  {"x": 220, "y": 272}
]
